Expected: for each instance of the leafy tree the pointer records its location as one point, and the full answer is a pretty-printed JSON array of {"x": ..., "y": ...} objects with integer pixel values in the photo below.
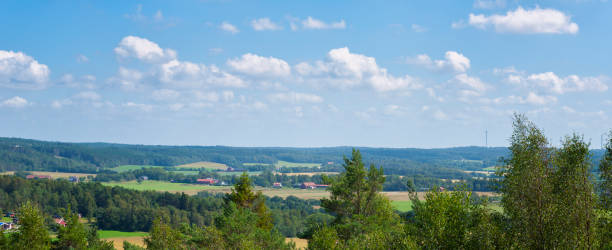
[
  {"x": 526, "y": 189},
  {"x": 162, "y": 236},
  {"x": 243, "y": 197},
  {"x": 604, "y": 213},
  {"x": 574, "y": 216},
  {"x": 32, "y": 233}
]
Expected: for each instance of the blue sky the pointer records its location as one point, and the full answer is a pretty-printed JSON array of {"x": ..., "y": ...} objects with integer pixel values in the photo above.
[{"x": 296, "y": 73}]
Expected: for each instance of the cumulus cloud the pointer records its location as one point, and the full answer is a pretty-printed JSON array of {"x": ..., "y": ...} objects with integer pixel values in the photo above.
[
  {"x": 128, "y": 79},
  {"x": 82, "y": 58},
  {"x": 316, "y": 24},
  {"x": 228, "y": 27},
  {"x": 192, "y": 75},
  {"x": 15, "y": 102},
  {"x": 85, "y": 81},
  {"x": 294, "y": 97},
  {"x": 345, "y": 69},
  {"x": 206, "y": 96},
  {"x": 571, "y": 83},
  {"x": 255, "y": 65},
  {"x": 474, "y": 83},
  {"x": 18, "y": 70},
  {"x": 527, "y": 21},
  {"x": 453, "y": 61},
  {"x": 265, "y": 23},
  {"x": 144, "y": 50},
  {"x": 532, "y": 98}
]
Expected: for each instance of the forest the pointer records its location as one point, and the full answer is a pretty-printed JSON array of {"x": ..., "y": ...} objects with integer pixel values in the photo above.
[{"x": 550, "y": 199}]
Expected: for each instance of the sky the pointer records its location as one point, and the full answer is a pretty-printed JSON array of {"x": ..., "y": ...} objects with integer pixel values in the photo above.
[{"x": 424, "y": 74}]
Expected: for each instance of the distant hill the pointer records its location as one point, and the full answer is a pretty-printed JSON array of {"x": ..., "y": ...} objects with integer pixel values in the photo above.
[{"x": 26, "y": 154}]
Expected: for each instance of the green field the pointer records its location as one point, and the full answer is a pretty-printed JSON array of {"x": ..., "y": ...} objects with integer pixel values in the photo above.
[
  {"x": 105, "y": 234},
  {"x": 295, "y": 164},
  {"x": 161, "y": 186},
  {"x": 402, "y": 206},
  {"x": 125, "y": 168}
]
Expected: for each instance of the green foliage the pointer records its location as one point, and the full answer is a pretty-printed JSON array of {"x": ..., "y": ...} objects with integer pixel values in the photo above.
[
  {"x": 364, "y": 217},
  {"x": 162, "y": 236},
  {"x": 451, "y": 220},
  {"x": 73, "y": 235},
  {"x": 605, "y": 174},
  {"x": 32, "y": 232},
  {"x": 130, "y": 246}
]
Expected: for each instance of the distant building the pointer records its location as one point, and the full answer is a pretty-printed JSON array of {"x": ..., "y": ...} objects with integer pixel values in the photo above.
[
  {"x": 231, "y": 169},
  {"x": 60, "y": 221},
  {"x": 73, "y": 179},
  {"x": 209, "y": 181},
  {"x": 330, "y": 163},
  {"x": 277, "y": 185},
  {"x": 144, "y": 177}
]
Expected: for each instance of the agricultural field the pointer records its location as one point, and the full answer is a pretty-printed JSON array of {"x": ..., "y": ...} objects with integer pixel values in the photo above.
[
  {"x": 164, "y": 186},
  {"x": 54, "y": 175},
  {"x": 287, "y": 164},
  {"x": 117, "y": 237},
  {"x": 203, "y": 164},
  {"x": 402, "y": 206},
  {"x": 299, "y": 243},
  {"x": 185, "y": 172},
  {"x": 125, "y": 168},
  {"x": 256, "y": 164}
]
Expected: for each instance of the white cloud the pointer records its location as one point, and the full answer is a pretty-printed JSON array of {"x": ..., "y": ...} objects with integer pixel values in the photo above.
[
  {"x": 229, "y": 28},
  {"x": 165, "y": 94},
  {"x": 418, "y": 28},
  {"x": 489, "y": 4},
  {"x": 394, "y": 110},
  {"x": 191, "y": 75},
  {"x": 57, "y": 104},
  {"x": 345, "y": 69},
  {"x": 143, "y": 107},
  {"x": 522, "y": 21},
  {"x": 255, "y": 65},
  {"x": 18, "y": 70},
  {"x": 453, "y": 61},
  {"x": 15, "y": 102},
  {"x": 85, "y": 81},
  {"x": 473, "y": 82},
  {"x": 571, "y": 83},
  {"x": 533, "y": 98},
  {"x": 312, "y": 23},
  {"x": 144, "y": 50},
  {"x": 265, "y": 23},
  {"x": 260, "y": 106},
  {"x": 128, "y": 79},
  {"x": 293, "y": 97},
  {"x": 82, "y": 58}
]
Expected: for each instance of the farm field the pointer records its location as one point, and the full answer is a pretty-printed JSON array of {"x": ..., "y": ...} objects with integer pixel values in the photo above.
[
  {"x": 295, "y": 164},
  {"x": 299, "y": 243},
  {"x": 164, "y": 186},
  {"x": 105, "y": 234},
  {"x": 203, "y": 164},
  {"x": 53, "y": 175},
  {"x": 402, "y": 206},
  {"x": 125, "y": 168}
]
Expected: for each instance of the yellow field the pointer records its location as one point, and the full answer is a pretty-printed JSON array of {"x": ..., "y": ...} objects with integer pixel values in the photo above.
[
  {"x": 204, "y": 164},
  {"x": 299, "y": 243},
  {"x": 53, "y": 175},
  {"x": 118, "y": 241}
]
